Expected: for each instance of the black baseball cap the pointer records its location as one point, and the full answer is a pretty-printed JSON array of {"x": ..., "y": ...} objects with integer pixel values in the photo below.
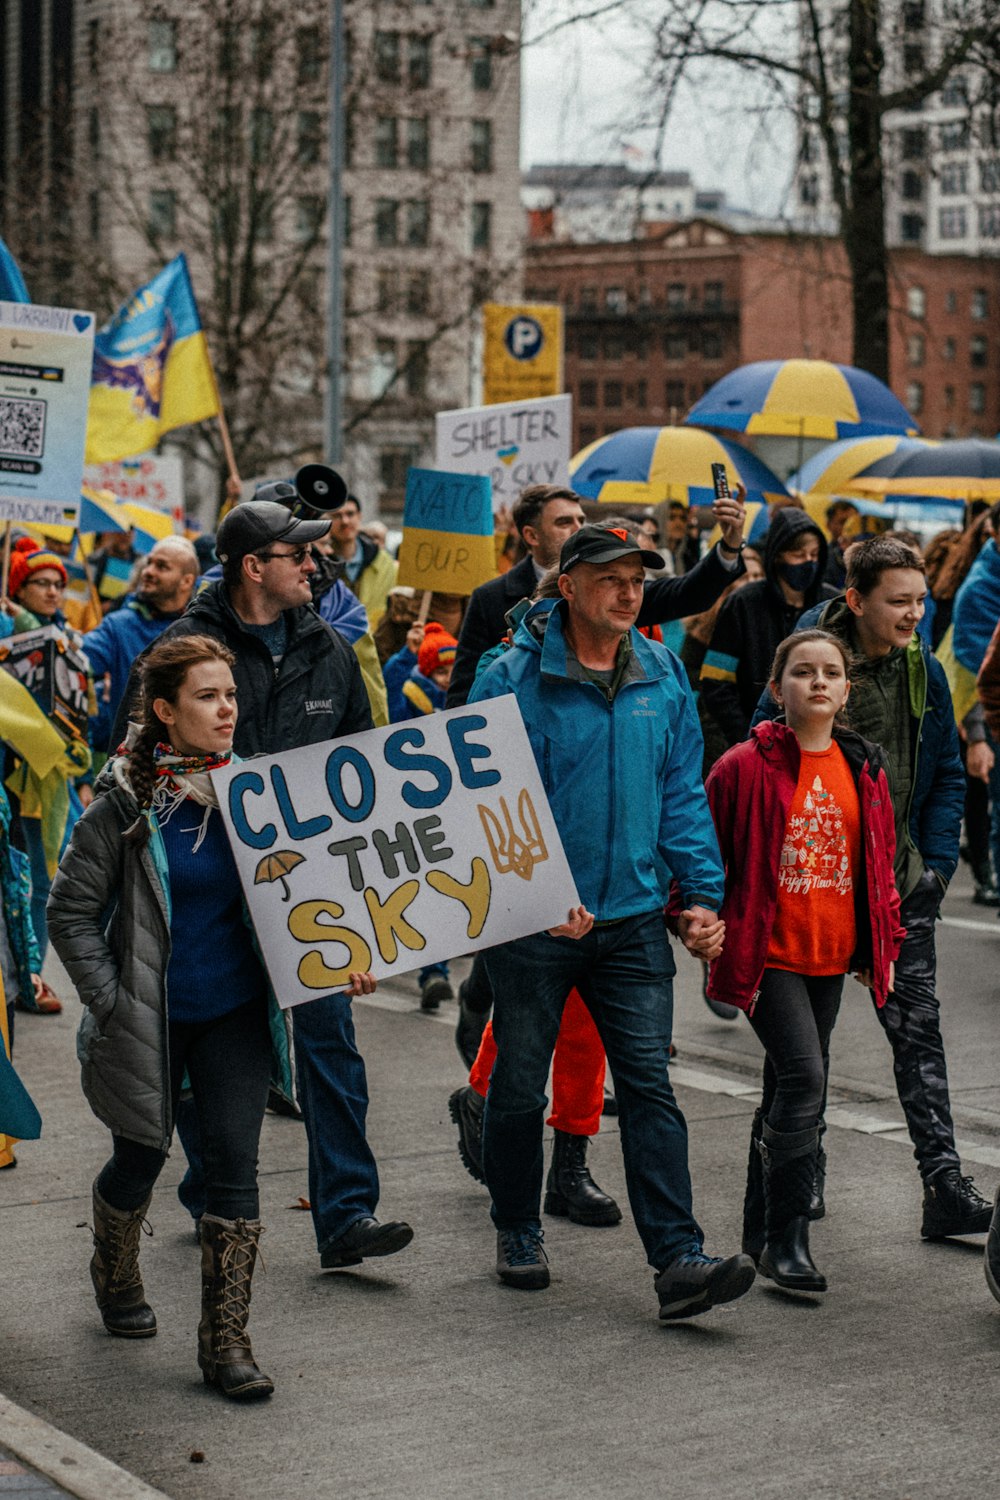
[
  {"x": 604, "y": 544},
  {"x": 255, "y": 524}
]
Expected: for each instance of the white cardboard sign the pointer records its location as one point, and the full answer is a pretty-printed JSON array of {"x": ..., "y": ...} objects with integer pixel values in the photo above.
[
  {"x": 396, "y": 848},
  {"x": 153, "y": 479},
  {"x": 515, "y": 443}
]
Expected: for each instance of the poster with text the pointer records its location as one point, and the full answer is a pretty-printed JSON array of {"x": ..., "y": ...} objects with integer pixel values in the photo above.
[
  {"x": 447, "y": 544},
  {"x": 152, "y": 479},
  {"x": 515, "y": 444},
  {"x": 396, "y": 848},
  {"x": 46, "y": 357}
]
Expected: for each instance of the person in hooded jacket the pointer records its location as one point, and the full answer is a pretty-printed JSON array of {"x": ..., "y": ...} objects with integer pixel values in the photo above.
[
  {"x": 753, "y": 621},
  {"x": 805, "y": 826}
]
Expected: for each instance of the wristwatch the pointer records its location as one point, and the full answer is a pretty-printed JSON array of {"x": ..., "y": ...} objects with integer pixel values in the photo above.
[{"x": 733, "y": 551}]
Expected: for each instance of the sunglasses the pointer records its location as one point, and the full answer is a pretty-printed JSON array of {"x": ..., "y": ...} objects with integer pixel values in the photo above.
[{"x": 296, "y": 557}]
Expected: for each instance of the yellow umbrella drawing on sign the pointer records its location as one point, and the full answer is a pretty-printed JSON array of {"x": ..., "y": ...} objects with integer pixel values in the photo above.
[{"x": 275, "y": 867}]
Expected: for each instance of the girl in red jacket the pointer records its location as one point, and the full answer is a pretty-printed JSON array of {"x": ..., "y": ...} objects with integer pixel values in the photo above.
[{"x": 805, "y": 825}]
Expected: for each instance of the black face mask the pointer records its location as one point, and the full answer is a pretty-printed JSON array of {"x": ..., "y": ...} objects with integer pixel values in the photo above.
[{"x": 799, "y": 576}]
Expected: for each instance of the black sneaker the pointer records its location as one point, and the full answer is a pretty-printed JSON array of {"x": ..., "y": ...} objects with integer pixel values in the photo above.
[
  {"x": 469, "y": 1028},
  {"x": 991, "y": 1263},
  {"x": 433, "y": 991},
  {"x": 952, "y": 1206},
  {"x": 466, "y": 1109},
  {"x": 521, "y": 1261},
  {"x": 693, "y": 1283}
]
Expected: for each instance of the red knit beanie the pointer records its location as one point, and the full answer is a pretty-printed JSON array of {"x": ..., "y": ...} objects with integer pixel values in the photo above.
[
  {"x": 437, "y": 649},
  {"x": 28, "y": 557}
]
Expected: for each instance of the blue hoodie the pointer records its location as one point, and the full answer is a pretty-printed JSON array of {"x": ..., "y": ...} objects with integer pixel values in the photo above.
[{"x": 623, "y": 779}]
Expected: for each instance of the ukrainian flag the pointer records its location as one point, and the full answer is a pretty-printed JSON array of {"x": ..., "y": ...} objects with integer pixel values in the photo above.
[{"x": 152, "y": 370}]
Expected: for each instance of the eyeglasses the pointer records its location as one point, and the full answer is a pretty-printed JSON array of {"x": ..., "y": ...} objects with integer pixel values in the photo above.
[
  {"x": 55, "y": 584},
  {"x": 296, "y": 557}
]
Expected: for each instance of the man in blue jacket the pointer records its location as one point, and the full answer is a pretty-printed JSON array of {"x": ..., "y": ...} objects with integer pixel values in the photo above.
[
  {"x": 584, "y": 677},
  {"x": 900, "y": 700}
]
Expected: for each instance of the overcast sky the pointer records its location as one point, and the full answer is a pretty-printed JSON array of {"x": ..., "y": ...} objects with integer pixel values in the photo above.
[{"x": 580, "y": 93}]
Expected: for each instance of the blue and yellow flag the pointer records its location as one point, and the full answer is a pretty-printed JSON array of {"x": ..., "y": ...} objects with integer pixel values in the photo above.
[
  {"x": 12, "y": 287},
  {"x": 152, "y": 370}
]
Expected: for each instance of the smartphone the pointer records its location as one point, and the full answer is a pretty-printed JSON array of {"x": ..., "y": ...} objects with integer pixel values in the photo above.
[{"x": 720, "y": 482}]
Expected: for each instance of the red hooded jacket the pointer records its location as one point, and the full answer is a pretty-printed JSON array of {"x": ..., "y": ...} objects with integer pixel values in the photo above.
[{"x": 750, "y": 791}]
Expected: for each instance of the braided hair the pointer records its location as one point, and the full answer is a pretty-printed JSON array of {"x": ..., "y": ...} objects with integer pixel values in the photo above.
[{"x": 164, "y": 669}]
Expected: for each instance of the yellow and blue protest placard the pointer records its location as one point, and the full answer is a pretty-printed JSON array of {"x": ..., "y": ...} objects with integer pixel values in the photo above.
[
  {"x": 152, "y": 370},
  {"x": 45, "y": 360},
  {"x": 447, "y": 542},
  {"x": 522, "y": 351}
]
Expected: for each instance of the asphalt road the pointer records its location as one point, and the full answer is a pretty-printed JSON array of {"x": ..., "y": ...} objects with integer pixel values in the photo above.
[{"x": 421, "y": 1376}]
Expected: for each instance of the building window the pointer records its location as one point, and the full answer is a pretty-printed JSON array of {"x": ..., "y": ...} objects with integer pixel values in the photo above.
[
  {"x": 482, "y": 146},
  {"x": 612, "y": 393},
  {"x": 386, "y": 141},
  {"x": 482, "y": 63},
  {"x": 587, "y": 344},
  {"x": 711, "y": 344},
  {"x": 161, "y": 121},
  {"x": 954, "y": 179},
  {"x": 384, "y": 369},
  {"x": 675, "y": 395},
  {"x": 418, "y": 144},
  {"x": 912, "y": 185},
  {"x": 915, "y": 349},
  {"x": 309, "y": 60},
  {"x": 989, "y": 174},
  {"x": 387, "y": 291},
  {"x": 616, "y": 299},
  {"x": 913, "y": 15},
  {"x": 949, "y": 397},
  {"x": 482, "y": 226},
  {"x": 641, "y": 397},
  {"x": 261, "y": 48},
  {"x": 913, "y": 57},
  {"x": 418, "y": 222},
  {"x": 309, "y": 211},
  {"x": 948, "y": 349},
  {"x": 645, "y": 295},
  {"x": 419, "y": 67},
  {"x": 675, "y": 347},
  {"x": 950, "y": 302},
  {"x": 386, "y": 221},
  {"x": 954, "y": 136},
  {"x": 977, "y": 397},
  {"x": 480, "y": 4},
  {"x": 588, "y": 299},
  {"x": 713, "y": 295},
  {"x": 261, "y": 136},
  {"x": 979, "y": 304},
  {"x": 94, "y": 207},
  {"x": 163, "y": 212},
  {"x": 418, "y": 294},
  {"x": 641, "y": 347},
  {"x": 977, "y": 351},
  {"x": 916, "y": 302},
  {"x": 94, "y": 131},
  {"x": 163, "y": 46},
  {"x": 809, "y": 189},
  {"x": 914, "y": 397},
  {"x": 347, "y": 214},
  {"x": 614, "y": 345},
  {"x": 989, "y": 221},
  {"x": 952, "y": 223},
  {"x": 309, "y": 135},
  {"x": 676, "y": 295},
  {"x": 914, "y": 144},
  {"x": 386, "y": 49},
  {"x": 415, "y": 373},
  {"x": 393, "y": 465},
  {"x": 911, "y": 228},
  {"x": 588, "y": 393},
  {"x": 588, "y": 435}
]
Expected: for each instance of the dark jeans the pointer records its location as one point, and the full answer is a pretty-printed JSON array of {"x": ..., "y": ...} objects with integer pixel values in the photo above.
[
  {"x": 912, "y": 1021},
  {"x": 793, "y": 1019},
  {"x": 623, "y": 972},
  {"x": 228, "y": 1061}
]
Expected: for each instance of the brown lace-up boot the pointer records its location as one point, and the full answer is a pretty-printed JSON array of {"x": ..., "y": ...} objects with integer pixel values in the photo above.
[
  {"x": 114, "y": 1270},
  {"x": 228, "y": 1255}
]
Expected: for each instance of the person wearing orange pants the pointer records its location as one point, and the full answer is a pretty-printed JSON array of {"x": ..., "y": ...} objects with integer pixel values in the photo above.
[{"x": 578, "y": 1067}]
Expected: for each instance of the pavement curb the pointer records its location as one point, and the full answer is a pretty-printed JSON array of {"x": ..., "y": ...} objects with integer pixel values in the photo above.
[{"x": 72, "y": 1466}]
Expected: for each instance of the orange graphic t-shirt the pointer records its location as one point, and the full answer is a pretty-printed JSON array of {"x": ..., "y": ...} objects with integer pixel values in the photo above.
[{"x": 814, "y": 927}]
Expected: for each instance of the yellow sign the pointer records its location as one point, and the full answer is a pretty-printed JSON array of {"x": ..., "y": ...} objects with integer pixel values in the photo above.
[{"x": 522, "y": 351}]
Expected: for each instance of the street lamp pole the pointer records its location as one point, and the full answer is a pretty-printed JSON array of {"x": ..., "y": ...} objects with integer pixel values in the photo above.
[{"x": 335, "y": 253}]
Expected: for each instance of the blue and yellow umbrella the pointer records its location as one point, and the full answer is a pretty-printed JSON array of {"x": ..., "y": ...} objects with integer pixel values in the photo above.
[
  {"x": 802, "y": 398},
  {"x": 832, "y": 470},
  {"x": 650, "y": 465}
]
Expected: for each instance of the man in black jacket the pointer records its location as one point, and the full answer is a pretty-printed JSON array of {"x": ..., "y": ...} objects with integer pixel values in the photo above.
[{"x": 299, "y": 683}]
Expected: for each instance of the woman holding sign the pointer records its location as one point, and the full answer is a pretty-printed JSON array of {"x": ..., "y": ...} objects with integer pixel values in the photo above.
[{"x": 147, "y": 916}]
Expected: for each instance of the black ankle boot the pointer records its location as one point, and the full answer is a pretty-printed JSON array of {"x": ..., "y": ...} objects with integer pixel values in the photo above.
[
  {"x": 817, "y": 1202},
  {"x": 789, "y": 1166},
  {"x": 753, "y": 1202},
  {"x": 953, "y": 1206},
  {"x": 570, "y": 1191}
]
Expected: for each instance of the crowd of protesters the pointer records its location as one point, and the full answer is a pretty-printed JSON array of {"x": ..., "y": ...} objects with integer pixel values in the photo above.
[{"x": 788, "y": 800}]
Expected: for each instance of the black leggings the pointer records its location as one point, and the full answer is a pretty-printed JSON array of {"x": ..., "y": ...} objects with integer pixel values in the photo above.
[
  {"x": 793, "y": 1019},
  {"x": 228, "y": 1062}
]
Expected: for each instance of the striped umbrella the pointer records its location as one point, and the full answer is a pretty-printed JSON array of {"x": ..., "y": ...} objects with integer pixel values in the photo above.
[
  {"x": 650, "y": 465},
  {"x": 801, "y": 398},
  {"x": 834, "y": 467}
]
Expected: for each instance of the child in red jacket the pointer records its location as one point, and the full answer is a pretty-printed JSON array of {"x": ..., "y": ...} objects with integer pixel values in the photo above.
[{"x": 805, "y": 826}]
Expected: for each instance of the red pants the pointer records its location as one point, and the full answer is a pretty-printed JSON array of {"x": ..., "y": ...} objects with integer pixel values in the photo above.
[{"x": 577, "y": 1070}]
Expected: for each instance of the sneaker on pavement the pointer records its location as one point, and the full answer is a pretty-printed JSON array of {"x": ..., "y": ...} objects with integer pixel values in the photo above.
[
  {"x": 695, "y": 1282},
  {"x": 992, "y": 1258},
  {"x": 469, "y": 1028},
  {"x": 521, "y": 1261},
  {"x": 466, "y": 1109},
  {"x": 433, "y": 991},
  {"x": 952, "y": 1206}
]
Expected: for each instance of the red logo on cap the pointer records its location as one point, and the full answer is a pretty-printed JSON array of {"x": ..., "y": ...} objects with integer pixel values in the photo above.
[{"x": 619, "y": 532}]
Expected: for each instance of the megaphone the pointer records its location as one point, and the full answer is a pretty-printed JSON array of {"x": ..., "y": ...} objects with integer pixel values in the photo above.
[{"x": 320, "y": 488}]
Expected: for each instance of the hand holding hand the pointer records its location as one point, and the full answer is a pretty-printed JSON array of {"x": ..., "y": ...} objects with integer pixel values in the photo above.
[
  {"x": 577, "y": 924},
  {"x": 702, "y": 932}
]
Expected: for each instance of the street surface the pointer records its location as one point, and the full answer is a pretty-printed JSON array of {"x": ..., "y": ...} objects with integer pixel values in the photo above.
[{"x": 420, "y": 1376}]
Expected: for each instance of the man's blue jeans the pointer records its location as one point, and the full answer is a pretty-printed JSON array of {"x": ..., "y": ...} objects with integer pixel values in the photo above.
[
  {"x": 624, "y": 973},
  {"x": 333, "y": 1095}
]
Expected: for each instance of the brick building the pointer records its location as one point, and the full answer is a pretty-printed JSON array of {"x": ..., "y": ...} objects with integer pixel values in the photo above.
[{"x": 651, "y": 324}]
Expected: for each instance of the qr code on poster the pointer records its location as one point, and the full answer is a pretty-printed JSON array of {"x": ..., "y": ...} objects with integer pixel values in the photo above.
[{"x": 22, "y": 427}]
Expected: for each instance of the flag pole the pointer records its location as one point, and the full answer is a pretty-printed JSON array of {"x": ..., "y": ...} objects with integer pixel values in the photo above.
[{"x": 5, "y": 563}]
